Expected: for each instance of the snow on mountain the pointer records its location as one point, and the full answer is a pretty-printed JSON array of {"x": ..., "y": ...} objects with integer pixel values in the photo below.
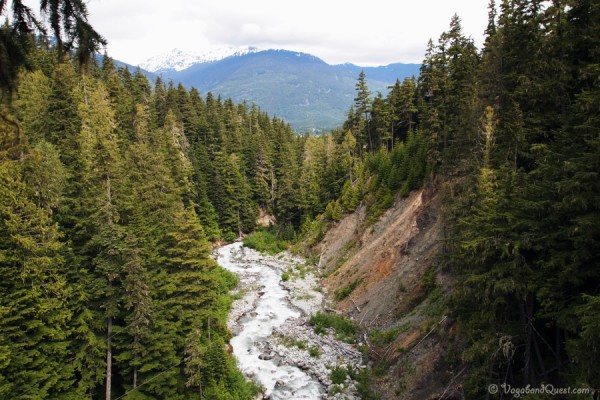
[{"x": 179, "y": 60}]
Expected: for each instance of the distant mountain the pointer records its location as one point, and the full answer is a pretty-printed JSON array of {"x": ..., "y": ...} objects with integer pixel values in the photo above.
[
  {"x": 300, "y": 88},
  {"x": 178, "y": 60}
]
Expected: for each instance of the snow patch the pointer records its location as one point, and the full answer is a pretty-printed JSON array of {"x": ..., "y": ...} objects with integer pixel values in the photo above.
[{"x": 179, "y": 60}]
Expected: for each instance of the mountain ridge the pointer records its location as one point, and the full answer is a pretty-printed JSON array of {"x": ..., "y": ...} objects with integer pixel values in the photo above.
[
  {"x": 179, "y": 60},
  {"x": 298, "y": 87},
  {"x": 177, "y": 57}
]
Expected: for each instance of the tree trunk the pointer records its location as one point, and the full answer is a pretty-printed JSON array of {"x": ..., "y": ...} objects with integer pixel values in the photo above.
[
  {"x": 109, "y": 324},
  {"x": 371, "y": 149},
  {"x": 272, "y": 191},
  {"x": 108, "y": 358},
  {"x": 528, "y": 368}
]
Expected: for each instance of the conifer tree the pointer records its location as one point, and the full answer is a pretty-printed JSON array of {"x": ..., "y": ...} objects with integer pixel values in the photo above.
[
  {"x": 34, "y": 295},
  {"x": 159, "y": 102},
  {"x": 286, "y": 164},
  {"x": 381, "y": 123},
  {"x": 63, "y": 120},
  {"x": 122, "y": 101},
  {"x": 176, "y": 148},
  {"x": 45, "y": 176},
  {"x": 137, "y": 305},
  {"x": 100, "y": 178},
  {"x": 310, "y": 179},
  {"x": 402, "y": 102},
  {"x": 32, "y": 105},
  {"x": 186, "y": 293},
  {"x": 362, "y": 109}
]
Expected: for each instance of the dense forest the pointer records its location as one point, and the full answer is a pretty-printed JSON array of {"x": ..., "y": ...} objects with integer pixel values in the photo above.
[
  {"x": 112, "y": 189},
  {"x": 517, "y": 142}
]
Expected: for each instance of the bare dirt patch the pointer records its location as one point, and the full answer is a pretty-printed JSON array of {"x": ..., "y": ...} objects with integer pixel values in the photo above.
[{"x": 390, "y": 272}]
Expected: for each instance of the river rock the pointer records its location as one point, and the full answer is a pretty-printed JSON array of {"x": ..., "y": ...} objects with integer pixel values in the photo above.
[{"x": 280, "y": 349}]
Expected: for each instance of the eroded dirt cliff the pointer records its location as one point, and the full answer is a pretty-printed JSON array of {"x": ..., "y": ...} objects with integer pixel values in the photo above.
[{"x": 386, "y": 277}]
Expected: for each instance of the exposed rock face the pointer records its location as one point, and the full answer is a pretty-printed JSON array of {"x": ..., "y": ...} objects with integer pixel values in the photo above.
[
  {"x": 395, "y": 288},
  {"x": 264, "y": 219}
]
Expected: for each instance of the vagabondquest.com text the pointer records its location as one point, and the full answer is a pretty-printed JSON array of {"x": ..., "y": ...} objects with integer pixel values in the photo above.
[{"x": 518, "y": 392}]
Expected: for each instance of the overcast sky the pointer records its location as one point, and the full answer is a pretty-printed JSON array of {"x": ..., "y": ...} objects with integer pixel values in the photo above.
[{"x": 366, "y": 32}]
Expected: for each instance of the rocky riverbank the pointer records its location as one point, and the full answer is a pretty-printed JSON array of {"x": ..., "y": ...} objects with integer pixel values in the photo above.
[{"x": 286, "y": 346}]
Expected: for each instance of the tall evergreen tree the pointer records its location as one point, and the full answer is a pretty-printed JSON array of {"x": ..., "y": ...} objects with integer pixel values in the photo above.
[
  {"x": 362, "y": 109},
  {"x": 100, "y": 179},
  {"x": 34, "y": 301}
]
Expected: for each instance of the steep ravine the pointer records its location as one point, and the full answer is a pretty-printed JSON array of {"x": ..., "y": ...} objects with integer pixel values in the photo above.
[
  {"x": 273, "y": 342},
  {"x": 397, "y": 294}
]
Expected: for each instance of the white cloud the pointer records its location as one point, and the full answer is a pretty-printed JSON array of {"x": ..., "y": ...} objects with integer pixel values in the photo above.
[{"x": 372, "y": 32}]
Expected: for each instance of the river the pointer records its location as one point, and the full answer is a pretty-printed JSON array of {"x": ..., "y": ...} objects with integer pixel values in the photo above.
[{"x": 271, "y": 335}]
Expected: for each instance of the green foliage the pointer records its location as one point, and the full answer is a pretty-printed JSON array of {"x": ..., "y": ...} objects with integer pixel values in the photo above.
[
  {"x": 333, "y": 211},
  {"x": 212, "y": 373},
  {"x": 338, "y": 375},
  {"x": 34, "y": 95},
  {"x": 437, "y": 303},
  {"x": 363, "y": 378},
  {"x": 587, "y": 314},
  {"x": 34, "y": 303},
  {"x": 400, "y": 170},
  {"x": 289, "y": 341},
  {"x": 229, "y": 237},
  {"x": 136, "y": 285},
  {"x": 344, "y": 328},
  {"x": 383, "y": 338},
  {"x": 265, "y": 241},
  {"x": 344, "y": 292},
  {"x": 524, "y": 178},
  {"x": 351, "y": 196},
  {"x": 46, "y": 175},
  {"x": 313, "y": 231},
  {"x": 314, "y": 352},
  {"x": 67, "y": 22},
  {"x": 378, "y": 203}
]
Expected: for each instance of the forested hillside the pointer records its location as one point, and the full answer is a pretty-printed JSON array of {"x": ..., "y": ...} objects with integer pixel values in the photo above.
[
  {"x": 520, "y": 145},
  {"x": 511, "y": 136},
  {"x": 107, "y": 283},
  {"x": 112, "y": 189}
]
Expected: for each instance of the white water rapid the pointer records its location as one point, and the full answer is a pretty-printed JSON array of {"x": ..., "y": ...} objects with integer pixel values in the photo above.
[{"x": 267, "y": 307}]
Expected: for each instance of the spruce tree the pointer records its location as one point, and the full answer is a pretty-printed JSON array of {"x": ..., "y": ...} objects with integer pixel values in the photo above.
[
  {"x": 362, "y": 109},
  {"x": 33, "y": 104},
  {"x": 34, "y": 335},
  {"x": 100, "y": 179}
]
